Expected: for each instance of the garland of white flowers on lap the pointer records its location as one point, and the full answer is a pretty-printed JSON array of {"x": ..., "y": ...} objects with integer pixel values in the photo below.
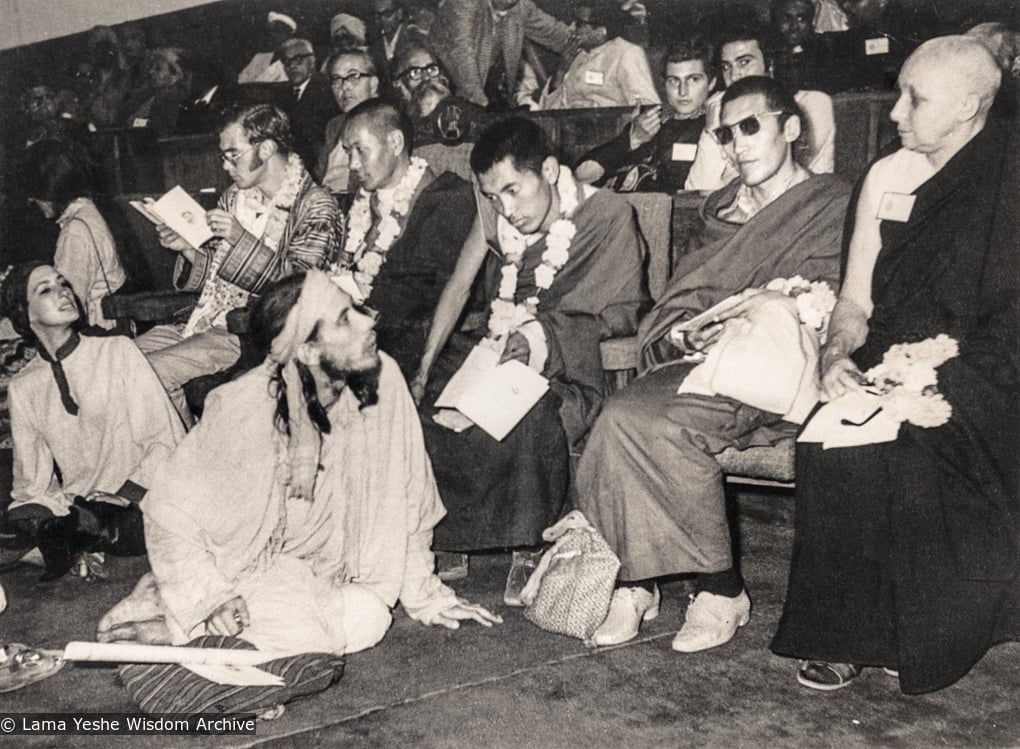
[
  {"x": 507, "y": 315},
  {"x": 815, "y": 301},
  {"x": 907, "y": 384},
  {"x": 369, "y": 260}
]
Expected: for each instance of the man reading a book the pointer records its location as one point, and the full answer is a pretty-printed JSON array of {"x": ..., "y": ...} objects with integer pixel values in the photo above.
[
  {"x": 649, "y": 479},
  {"x": 562, "y": 272},
  {"x": 273, "y": 221}
]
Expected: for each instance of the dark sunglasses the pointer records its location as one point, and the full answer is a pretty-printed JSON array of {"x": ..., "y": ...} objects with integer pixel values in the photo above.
[
  {"x": 748, "y": 126},
  {"x": 416, "y": 73}
]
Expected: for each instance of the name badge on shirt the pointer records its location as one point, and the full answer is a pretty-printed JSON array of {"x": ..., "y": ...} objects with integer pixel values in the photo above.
[
  {"x": 140, "y": 122},
  {"x": 685, "y": 151},
  {"x": 896, "y": 206},
  {"x": 877, "y": 46},
  {"x": 594, "y": 78}
]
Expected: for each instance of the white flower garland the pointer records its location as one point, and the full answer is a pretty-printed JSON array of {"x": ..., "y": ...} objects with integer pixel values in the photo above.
[
  {"x": 369, "y": 261},
  {"x": 908, "y": 385},
  {"x": 815, "y": 301},
  {"x": 507, "y": 315}
]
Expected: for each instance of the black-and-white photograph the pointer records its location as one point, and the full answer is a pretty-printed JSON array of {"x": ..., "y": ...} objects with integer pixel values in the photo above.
[{"x": 517, "y": 374}]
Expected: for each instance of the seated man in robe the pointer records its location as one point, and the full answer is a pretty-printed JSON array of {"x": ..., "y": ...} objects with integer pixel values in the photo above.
[
  {"x": 405, "y": 229},
  {"x": 654, "y": 153},
  {"x": 905, "y": 552},
  {"x": 649, "y": 479},
  {"x": 745, "y": 50},
  {"x": 563, "y": 271},
  {"x": 303, "y": 535},
  {"x": 272, "y": 221},
  {"x": 353, "y": 78}
]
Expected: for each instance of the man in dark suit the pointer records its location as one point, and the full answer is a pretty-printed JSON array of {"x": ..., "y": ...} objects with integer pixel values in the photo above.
[{"x": 310, "y": 104}]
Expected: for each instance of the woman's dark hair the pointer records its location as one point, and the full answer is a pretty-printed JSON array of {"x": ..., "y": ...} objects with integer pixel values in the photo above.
[
  {"x": 522, "y": 141},
  {"x": 14, "y": 299},
  {"x": 55, "y": 171}
]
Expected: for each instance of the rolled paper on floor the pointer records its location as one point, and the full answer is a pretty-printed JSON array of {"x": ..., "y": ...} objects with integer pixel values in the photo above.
[{"x": 132, "y": 653}]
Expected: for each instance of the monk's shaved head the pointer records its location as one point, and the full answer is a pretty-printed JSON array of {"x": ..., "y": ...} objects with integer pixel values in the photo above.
[{"x": 966, "y": 64}]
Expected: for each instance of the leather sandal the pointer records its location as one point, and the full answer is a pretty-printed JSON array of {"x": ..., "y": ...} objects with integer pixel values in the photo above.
[{"x": 827, "y": 677}]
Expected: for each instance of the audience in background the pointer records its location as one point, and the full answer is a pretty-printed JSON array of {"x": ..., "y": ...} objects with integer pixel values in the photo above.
[
  {"x": 167, "y": 91},
  {"x": 266, "y": 66},
  {"x": 802, "y": 56},
  {"x": 420, "y": 83},
  {"x": 107, "y": 79},
  {"x": 612, "y": 73},
  {"x": 310, "y": 104},
  {"x": 353, "y": 79},
  {"x": 44, "y": 120},
  {"x": 870, "y": 52},
  {"x": 479, "y": 43},
  {"x": 347, "y": 32},
  {"x": 57, "y": 180},
  {"x": 744, "y": 51},
  {"x": 394, "y": 35},
  {"x": 655, "y": 152}
]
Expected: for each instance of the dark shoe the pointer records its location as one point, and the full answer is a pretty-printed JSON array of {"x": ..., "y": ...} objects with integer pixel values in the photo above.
[{"x": 827, "y": 677}]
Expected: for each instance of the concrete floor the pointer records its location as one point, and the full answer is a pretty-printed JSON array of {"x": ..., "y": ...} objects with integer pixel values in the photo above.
[{"x": 516, "y": 686}]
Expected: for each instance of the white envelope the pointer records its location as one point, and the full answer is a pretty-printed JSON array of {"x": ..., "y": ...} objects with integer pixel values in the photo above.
[
  {"x": 850, "y": 421},
  {"x": 494, "y": 396}
]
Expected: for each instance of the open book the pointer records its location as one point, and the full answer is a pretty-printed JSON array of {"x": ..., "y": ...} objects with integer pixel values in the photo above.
[
  {"x": 493, "y": 396},
  {"x": 181, "y": 212}
]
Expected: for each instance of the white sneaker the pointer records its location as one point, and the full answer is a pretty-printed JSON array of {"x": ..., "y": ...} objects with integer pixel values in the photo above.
[
  {"x": 629, "y": 607},
  {"x": 712, "y": 620}
]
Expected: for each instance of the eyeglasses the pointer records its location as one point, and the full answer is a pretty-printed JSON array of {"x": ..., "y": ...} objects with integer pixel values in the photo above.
[
  {"x": 233, "y": 158},
  {"x": 748, "y": 126},
  {"x": 294, "y": 59},
  {"x": 417, "y": 72},
  {"x": 357, "y": 75}
]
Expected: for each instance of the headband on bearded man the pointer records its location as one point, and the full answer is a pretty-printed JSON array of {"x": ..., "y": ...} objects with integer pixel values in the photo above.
[{"x": 318, "y": 293}]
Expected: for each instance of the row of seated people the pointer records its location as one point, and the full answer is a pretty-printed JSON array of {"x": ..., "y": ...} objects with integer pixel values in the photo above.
[
  {"x": 340, "y": 476},
  {"x": 663, "y": 149}
]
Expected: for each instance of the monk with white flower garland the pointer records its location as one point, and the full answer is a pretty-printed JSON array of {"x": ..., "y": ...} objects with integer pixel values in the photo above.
[
  {"x": 649, "y": 479},
  {"x": 404, "y": 230},
  {"x": 272, "y": 221},
  {"x": 907, "y": 553},
  {"x": 563, "y": 271}
]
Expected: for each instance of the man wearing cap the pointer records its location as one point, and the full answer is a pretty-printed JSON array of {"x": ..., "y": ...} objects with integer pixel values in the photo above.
[
  {"x": 304, "y": 535},
  {"x": 265, "y": 67},
  {"x": 310, "y": 104}
]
